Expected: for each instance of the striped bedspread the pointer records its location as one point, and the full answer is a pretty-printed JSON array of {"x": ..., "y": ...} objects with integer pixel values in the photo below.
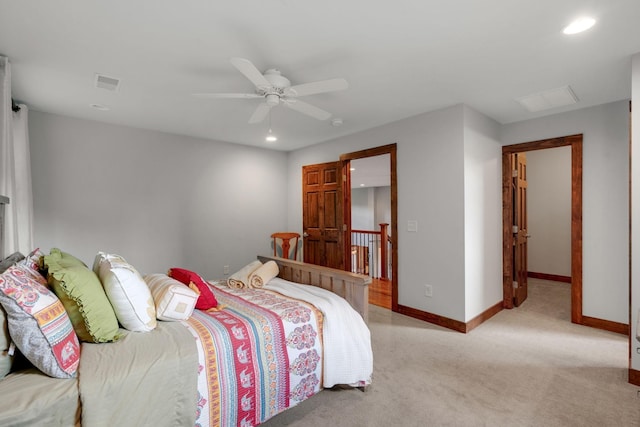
[{"x": 260, "y": 354}]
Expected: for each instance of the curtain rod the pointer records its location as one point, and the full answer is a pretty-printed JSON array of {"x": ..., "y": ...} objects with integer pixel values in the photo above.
[{"x": 14, "y": 107}]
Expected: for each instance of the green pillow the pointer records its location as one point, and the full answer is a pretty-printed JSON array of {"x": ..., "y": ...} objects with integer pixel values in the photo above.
[{"x": 83, "y": 297}]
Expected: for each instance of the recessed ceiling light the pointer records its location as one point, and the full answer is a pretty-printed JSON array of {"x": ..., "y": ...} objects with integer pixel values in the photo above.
[
  {"x": 100, "y": 107},
  {"x": 579, "y": 25}
]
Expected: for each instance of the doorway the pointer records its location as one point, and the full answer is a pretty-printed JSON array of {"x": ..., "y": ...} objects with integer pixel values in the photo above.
[
  {"x": 509, "y": 152},
  {"x": 326, "y": 194},
  {"x": 370, "y": 249},
  {"x": 389, "y": 151}
]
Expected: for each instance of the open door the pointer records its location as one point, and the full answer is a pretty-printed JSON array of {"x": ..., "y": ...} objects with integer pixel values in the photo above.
[
  {"x": 323, "y": 215},
  {"x": 520, "y": 227}
]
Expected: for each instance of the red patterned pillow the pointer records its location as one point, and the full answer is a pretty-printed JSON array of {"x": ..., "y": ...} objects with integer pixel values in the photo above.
[{"x": 206, "y": 299}]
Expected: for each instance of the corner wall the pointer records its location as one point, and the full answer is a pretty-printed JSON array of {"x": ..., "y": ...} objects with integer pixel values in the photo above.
[{"x": 482, "y": 213}]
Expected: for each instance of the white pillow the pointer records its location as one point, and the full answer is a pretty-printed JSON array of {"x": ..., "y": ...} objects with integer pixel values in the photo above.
[
  {"x": 174, "y": 300},
  {"x": 127, "y": 291}
]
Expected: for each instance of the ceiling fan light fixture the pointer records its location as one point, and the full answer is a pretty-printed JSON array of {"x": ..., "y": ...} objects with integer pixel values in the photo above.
[
  {"x": 271, "y": 137},
  {"x": 272, "y": 100}
]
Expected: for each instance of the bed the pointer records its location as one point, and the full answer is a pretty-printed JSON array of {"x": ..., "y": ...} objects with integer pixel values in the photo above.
[{"x": 262, "y": 351}]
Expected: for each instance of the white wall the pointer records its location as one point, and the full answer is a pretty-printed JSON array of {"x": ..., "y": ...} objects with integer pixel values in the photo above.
[
  {"x": 635, "y": 212},
  {"x": 430, "y": 155},
  {"x": 382, "y": 207},
  {"x": 157, "y": 199},
  {"x": 549, "y": 211},
  {"x": 362, "y": 208},
  {"x": 482, "y": 213},
  {"x": 370, "y": 207},
  {"x": 605, "y": 222}
]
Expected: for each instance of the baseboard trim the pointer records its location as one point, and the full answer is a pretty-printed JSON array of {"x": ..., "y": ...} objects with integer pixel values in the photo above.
[
  {"x": 484, "y": 316},
  {"x": 634, "y": 377},
  {"x": 445, "y": 322},
  {"x": 607, "y": 325},
  {"x": 552, "y": 277}
]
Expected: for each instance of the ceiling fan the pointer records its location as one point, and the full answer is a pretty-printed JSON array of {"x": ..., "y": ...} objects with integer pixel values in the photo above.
[{"x": 276, "y": 89}]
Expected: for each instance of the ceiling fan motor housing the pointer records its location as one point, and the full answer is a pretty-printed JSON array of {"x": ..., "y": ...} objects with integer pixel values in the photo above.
[
  {"x": 277, "y": 80},
  {"x": 278, "y": 84}
]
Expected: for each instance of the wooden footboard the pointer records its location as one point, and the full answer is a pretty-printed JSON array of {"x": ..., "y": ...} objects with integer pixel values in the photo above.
[{"x": 350, "y": 286}]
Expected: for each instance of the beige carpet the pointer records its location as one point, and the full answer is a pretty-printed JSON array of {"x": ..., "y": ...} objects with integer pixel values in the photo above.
[{"x": 524, "y": 367}]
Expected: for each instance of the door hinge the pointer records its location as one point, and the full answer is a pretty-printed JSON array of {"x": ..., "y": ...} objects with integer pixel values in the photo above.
[
  {"x": 515, "y": 229},
  {"x": 514, "y": 173},
  {"x": 344, "y": 227},
  {"x": 515, "y": 284}
]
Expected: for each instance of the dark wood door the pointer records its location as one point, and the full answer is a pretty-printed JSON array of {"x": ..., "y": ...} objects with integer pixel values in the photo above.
[
  {"x": 520, "y": 228},
  {"x": 323, "y": 215}
]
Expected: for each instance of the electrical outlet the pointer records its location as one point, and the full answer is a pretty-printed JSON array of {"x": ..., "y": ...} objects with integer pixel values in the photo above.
[
  {"x": 428, "y": 291},
  {"x": 225, "y": 269}
]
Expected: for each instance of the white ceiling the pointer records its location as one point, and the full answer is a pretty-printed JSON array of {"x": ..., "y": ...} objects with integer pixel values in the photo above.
[{"x": 401, "y": 58}]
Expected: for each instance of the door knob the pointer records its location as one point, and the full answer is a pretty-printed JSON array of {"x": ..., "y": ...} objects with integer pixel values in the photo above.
[{"x": 305, "y": 234}]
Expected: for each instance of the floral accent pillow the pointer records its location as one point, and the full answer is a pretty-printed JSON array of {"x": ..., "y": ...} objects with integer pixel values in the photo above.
[{"x": 39, "y": 324}]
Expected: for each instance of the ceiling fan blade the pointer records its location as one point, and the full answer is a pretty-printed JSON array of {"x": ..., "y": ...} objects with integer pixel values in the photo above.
[
  {"x": 250, "y": 71},
  {"x": 308, "y": 109},
  {"x": 318, "y": 87},
  {"x": 228, "y": 95},
  {"x": 260, "y": 113}
]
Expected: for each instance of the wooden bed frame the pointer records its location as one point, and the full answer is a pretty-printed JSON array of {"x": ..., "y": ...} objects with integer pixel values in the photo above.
[{"x": 350, "y": 286}]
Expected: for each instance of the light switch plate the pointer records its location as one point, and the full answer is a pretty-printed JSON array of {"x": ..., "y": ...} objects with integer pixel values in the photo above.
[{"x": 412, "y": 226}]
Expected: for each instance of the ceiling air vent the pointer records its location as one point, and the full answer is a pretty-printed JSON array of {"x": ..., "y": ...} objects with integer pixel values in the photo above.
[
  {"x": 552, "y": 98},
  {"x": 108, "y": 83}
]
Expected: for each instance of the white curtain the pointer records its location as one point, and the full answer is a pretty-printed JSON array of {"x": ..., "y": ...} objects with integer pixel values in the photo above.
[{"x": 15, "y": 173}]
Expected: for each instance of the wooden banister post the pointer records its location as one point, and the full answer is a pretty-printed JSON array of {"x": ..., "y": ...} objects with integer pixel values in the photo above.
[{"x": 383, "y": 250}]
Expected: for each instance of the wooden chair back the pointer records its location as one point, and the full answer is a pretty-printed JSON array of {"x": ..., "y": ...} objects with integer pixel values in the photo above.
[{"x": 285, "y": 239}]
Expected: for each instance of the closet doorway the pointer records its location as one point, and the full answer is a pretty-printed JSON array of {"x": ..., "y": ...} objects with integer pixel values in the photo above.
[{"x": 511, "y": 229}]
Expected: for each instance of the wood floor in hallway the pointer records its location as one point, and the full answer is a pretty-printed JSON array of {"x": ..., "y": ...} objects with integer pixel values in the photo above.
[{"x": 380, "y": 293}]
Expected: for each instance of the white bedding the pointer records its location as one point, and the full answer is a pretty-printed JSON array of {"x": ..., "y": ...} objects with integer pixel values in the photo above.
[{"x": 348, "y": 358}]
